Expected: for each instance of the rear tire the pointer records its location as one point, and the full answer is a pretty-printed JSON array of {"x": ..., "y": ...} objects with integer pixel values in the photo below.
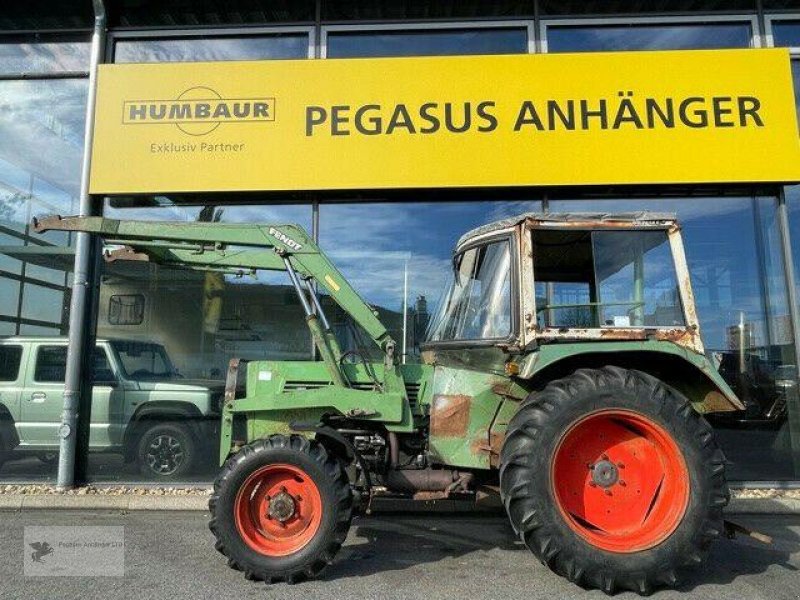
[
  {"x": 563, "y": 480},
  {"x": 281, "y": 509}
]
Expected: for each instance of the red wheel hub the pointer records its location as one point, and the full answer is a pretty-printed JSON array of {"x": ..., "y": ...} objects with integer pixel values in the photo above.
[
  {"x": 620, "y": 481},
  {"x": 278, "y": 510}
]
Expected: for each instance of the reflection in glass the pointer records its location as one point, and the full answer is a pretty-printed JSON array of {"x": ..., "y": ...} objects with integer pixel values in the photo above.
[
  {"x": 40, "y": 156},
  {"x": 43, "y": 57},
  {"x": 274, "y": 46},
  {"x": 605, "y": 279},
  {"x": 734, "y": 256},
  {"x": 204, "y": 319},
  {"x": 477, "y": 305},
  {"x": 426, "y": 42},
  {"x": 686, "y": 36},
  {"x": 786, "y": 33},
  {"x": 398, "y": 256}
]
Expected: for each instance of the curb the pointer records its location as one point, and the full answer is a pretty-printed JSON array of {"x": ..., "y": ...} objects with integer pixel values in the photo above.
[
  {"x": 122, "y": 503},
  {"x": 129, "y": 502},
  {"x": 763, "y": 506}
]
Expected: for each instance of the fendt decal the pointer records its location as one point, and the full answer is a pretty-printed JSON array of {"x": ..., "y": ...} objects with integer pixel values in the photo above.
[{"x": 285, "y": 239}]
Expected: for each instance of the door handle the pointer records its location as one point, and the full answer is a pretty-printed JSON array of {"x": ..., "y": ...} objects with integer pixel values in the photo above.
[{"x": 38, "y": 397}]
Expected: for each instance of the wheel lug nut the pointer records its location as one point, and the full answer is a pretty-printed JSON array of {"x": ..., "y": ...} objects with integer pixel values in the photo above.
[
  {"x": 622, "y": 482},
  {"x": 604, "y": 457},
  {"x": 608, "y": 492},
  {"x": 590, "y": 466},
  {"x": 592, "y": 484},
  {"x": 621, "y": 465}
]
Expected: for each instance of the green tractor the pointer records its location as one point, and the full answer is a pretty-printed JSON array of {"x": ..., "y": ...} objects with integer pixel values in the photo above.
[{"x": 564, "y": 374}]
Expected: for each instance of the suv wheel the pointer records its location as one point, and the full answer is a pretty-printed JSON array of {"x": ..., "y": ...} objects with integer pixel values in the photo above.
[{"x": 166, "y": 451}]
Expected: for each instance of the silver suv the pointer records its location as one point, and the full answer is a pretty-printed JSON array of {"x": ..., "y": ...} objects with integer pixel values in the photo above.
[{"x": 141, "y": 406}]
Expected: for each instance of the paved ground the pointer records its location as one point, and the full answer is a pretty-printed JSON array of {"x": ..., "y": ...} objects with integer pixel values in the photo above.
[{"x": 170, "y": 555}]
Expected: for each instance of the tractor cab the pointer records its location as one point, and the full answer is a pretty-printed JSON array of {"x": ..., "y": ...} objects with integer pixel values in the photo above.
[{"x": 569, "y": 277}]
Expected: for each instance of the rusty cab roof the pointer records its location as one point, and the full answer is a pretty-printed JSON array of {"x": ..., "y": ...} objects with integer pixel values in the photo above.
[{"x": 578, "y": 220}]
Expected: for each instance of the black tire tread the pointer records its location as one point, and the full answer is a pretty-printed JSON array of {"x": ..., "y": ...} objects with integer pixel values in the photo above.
[
  {"x": 338, "y": 477},
  {"x": 528, "y": 423}
]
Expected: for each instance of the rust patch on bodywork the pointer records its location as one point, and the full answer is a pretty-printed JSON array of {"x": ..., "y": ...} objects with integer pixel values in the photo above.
[
  {"x": 495, "y": 445},
  {"x": 714, "y": 401},
  {"x": 126, "y": 253},
  {"x": 450, "y": 415},
  {"x": 687, "y": 337}
]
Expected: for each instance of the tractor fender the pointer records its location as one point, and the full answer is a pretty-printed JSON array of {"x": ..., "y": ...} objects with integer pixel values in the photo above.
[{"x": 690, "y": 373}]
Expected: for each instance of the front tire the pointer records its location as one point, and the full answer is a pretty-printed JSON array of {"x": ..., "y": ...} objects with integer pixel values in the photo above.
[
  {"x": 613, "y": 480},
  {"x": 281, "y": 509}
]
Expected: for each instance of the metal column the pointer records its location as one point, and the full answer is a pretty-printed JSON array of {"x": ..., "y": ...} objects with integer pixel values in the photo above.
[
  {"x": 80, "y": 303},
  {"x": 793, "y": 404}
]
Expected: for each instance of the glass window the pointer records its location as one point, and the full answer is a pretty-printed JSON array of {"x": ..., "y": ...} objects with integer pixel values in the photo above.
[
  {"x": 288, "y": 45},
  {"x": 126, "y": 309},
  {"x": 203, "y": 319},
  {"x": 735, "y": 262},
  {"x": 408, "y": 247},
  {"x": 22, "y": 56},
  {"x": 9, "y": 296},
  {"x": 683, "y": 36},
  {"x": 40, "y": 165},
  {"x": 605, "y": 279},
  {"x": 429, "y": 42},
  {"x": 144, "y": 361},
  {"x": 194, "y": 323},
  {"x": 10, "y": 358},
  {"x": 478, "y": 304},
  {"x": 41, "y": 303},
  {"x": 51, "y": 364},
  {"x": 786, "y": 33}
]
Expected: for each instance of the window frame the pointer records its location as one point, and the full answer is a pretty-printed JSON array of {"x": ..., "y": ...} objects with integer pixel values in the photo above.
[
  {"x": 751, "y": 19},
  {"x": 421, "y": 26},
  {"x": 154, "y": 35},
  {"x": 770, "y": 20}
]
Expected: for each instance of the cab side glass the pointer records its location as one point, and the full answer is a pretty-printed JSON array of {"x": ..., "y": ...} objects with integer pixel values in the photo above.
[
  {"x": 588, "y": 279},
  {"x": 478, "y": 303}
]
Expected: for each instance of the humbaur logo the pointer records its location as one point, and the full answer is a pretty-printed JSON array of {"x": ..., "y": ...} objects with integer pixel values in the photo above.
[{"x": 198, "y": 111}]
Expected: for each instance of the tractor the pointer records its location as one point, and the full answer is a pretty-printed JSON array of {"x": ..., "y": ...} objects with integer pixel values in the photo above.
[{"x": 564, "y": 374}]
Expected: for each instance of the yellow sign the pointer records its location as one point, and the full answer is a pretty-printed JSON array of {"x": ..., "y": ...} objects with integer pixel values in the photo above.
[{"x": 718, "y": 116}]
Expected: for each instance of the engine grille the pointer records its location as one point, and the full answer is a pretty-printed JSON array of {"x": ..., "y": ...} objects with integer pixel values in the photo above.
[{"x": 412, "y": 389}]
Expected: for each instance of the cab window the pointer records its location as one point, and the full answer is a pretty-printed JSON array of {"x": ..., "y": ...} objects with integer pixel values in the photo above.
[{"x": 588, "y": 279}]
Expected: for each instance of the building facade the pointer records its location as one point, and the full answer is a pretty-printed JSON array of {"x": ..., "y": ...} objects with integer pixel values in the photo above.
[{"x": 742, "y": 242}]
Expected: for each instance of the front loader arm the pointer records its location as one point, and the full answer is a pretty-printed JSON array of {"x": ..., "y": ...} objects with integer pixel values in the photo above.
[{"x": 229, "y": 247}]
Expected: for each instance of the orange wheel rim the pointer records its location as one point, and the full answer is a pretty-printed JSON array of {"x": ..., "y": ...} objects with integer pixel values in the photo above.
[
  {"x": 620, "y": 481},
  {"x": 278, "y": 510}
]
